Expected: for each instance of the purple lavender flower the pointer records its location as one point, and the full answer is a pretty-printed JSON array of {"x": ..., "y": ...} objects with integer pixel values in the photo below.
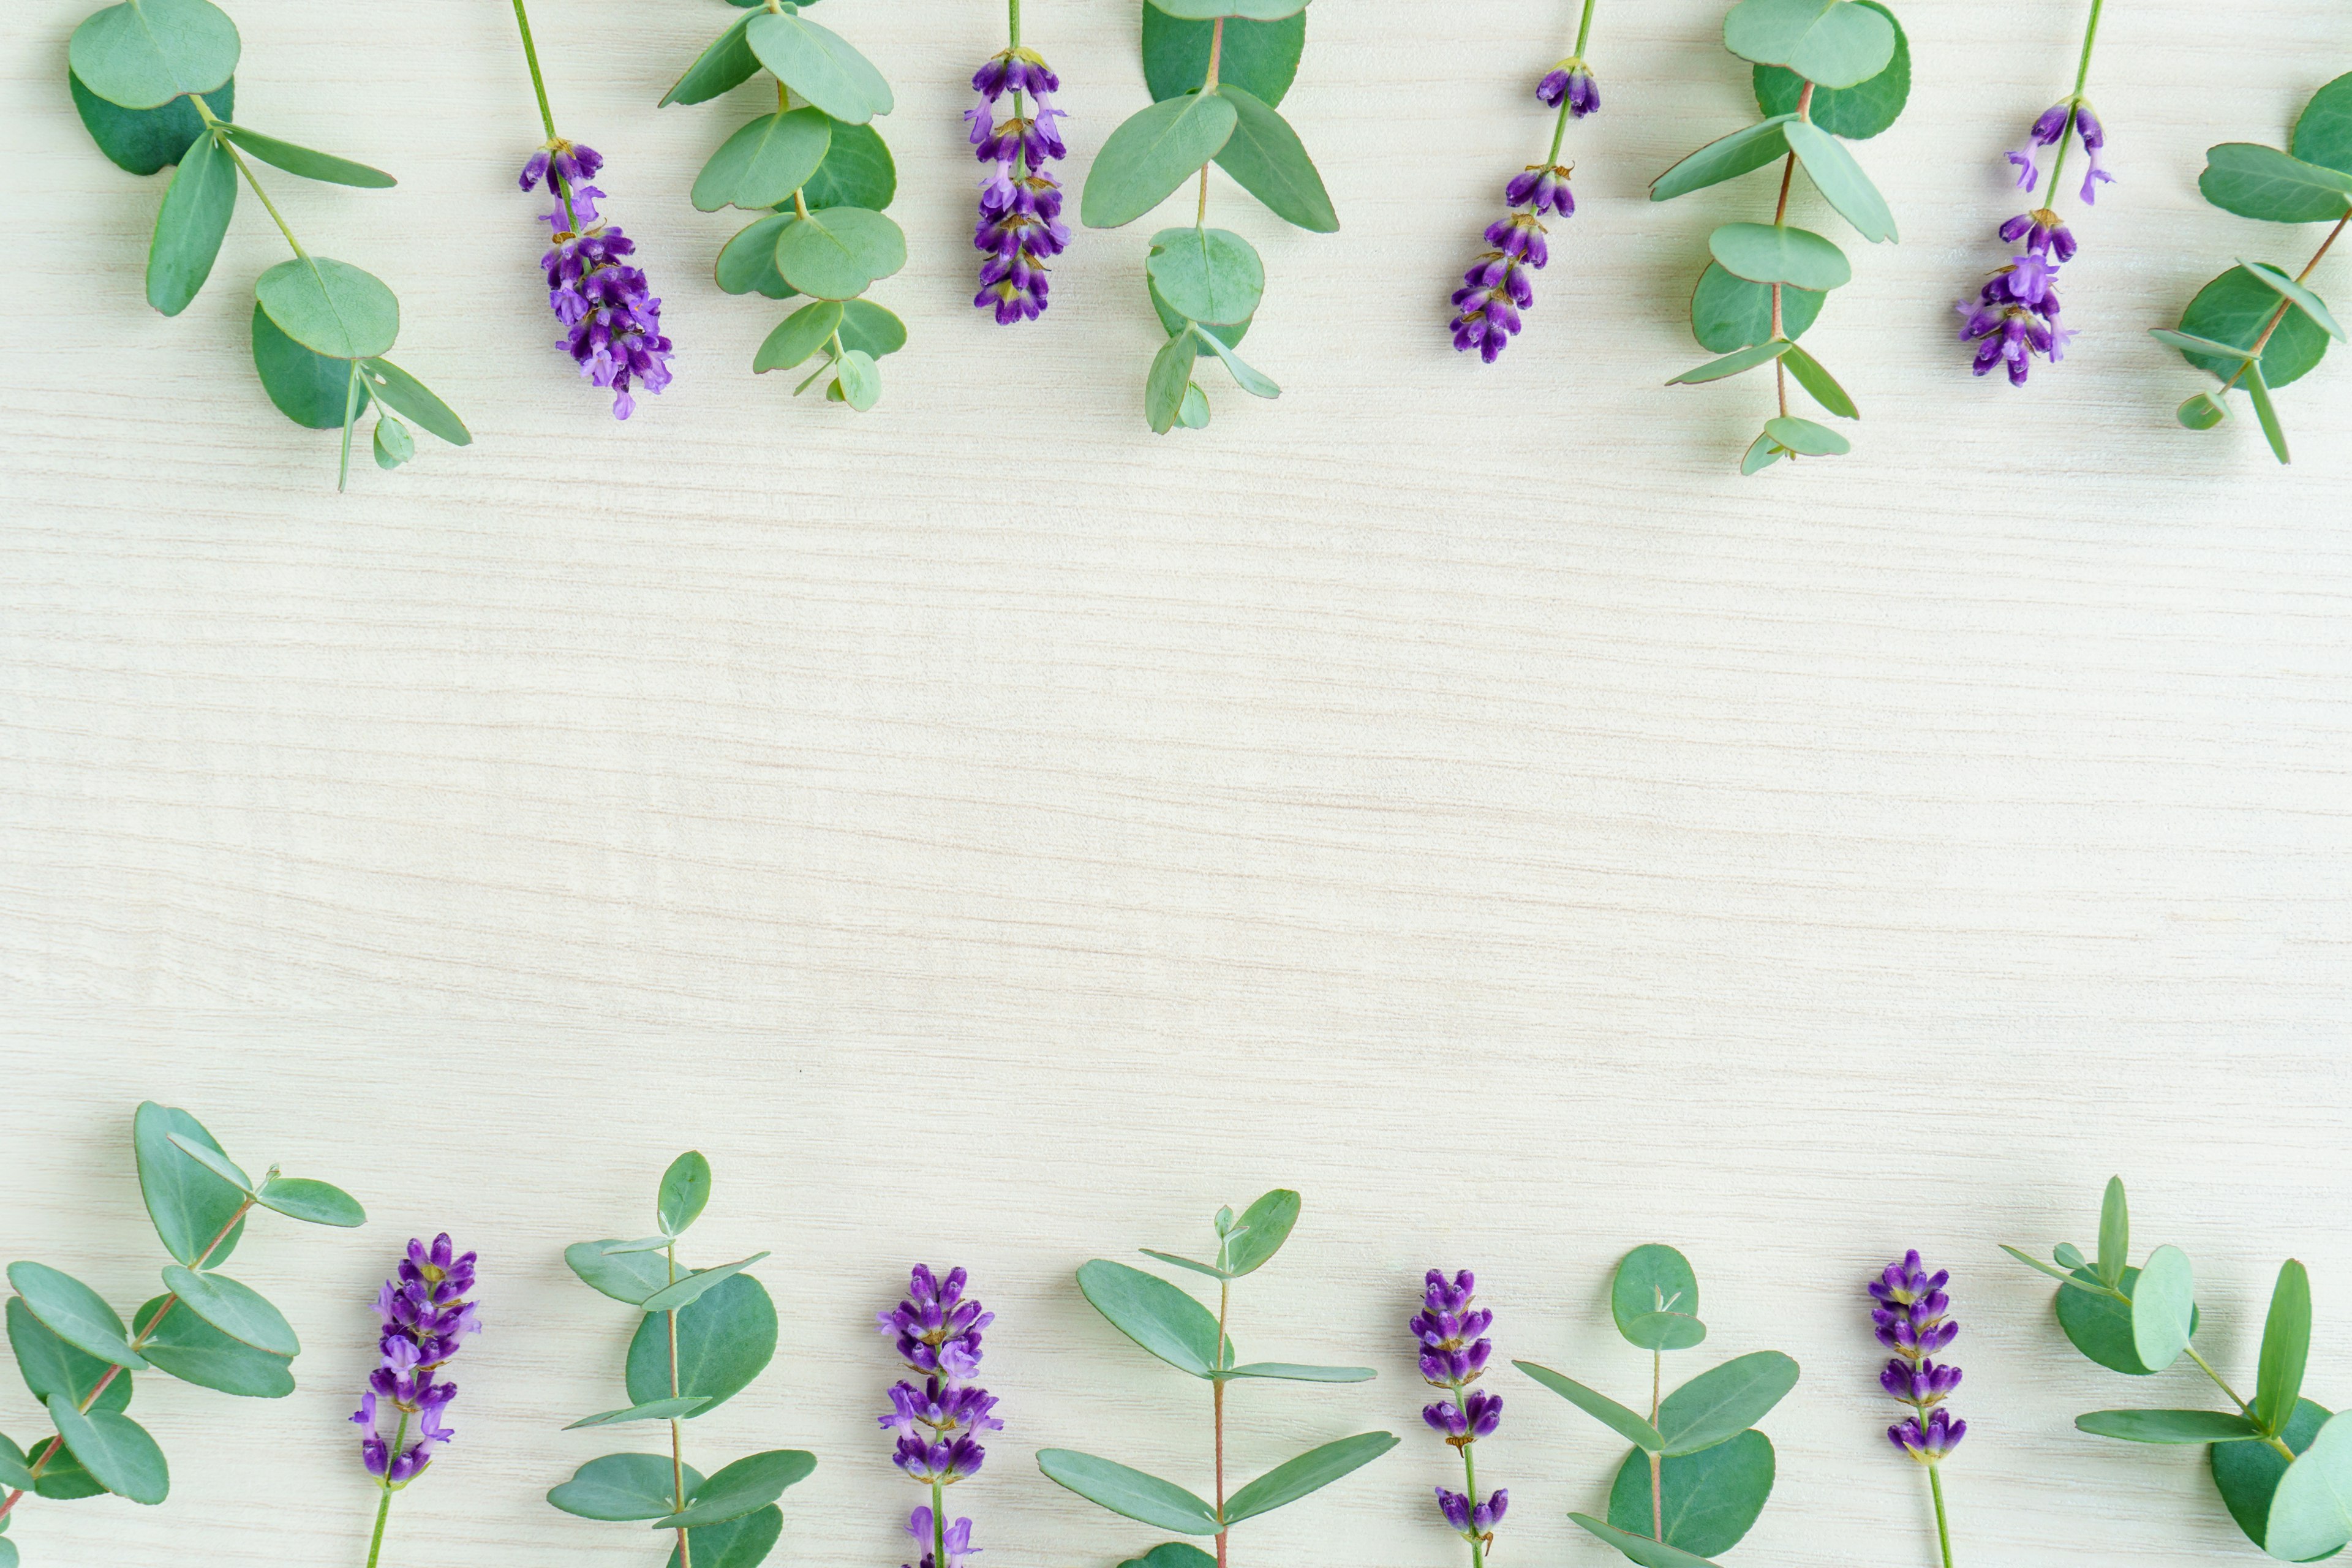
[
  {"x": 1912, "y": 1320},
  {"x": 1020, "y": 223},
  {"x": 1452, "y": 1329},
  {"x": 612, "y": 320},
  {"x": 937, "y": 1330},
  {"x": 2015, "y": 317},
  {"x": 1571, "y": 79},
  {"x": 1929, "y": 1445},
  {"x": 2094, "y": 138},
  {"x": 425, "y": 1322},
  {"x": 1497, "y": 287},
  {"x": 2050, "y": 130}
]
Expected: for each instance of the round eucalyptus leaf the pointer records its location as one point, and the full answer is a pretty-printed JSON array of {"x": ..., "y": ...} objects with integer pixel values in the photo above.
[
  {"x": 1211, "y": 275},
  {"x": 194, "y": 1351},
  {"x": 799, "y": 335},
  {"x": 742, "y": 1542},
  {"x": 146, "y": 140},
  {"x": 1193, "y": 414},
  {"x": 49, "y": 1365},
  {"x": 2323, "y": 133},
  {"x": 765, "y": 162},
  {"x": 751, "y": 1482},
  {"x": 299, "y": 1197},
  {"x": 307, "y": 388},
  {"x": 64, "y": 1480},
  {"x": 1250, "y": 10},
  {"x": 392, "y": 443},
  {"x": 1709, "y": 1499},
  {"x": 235, "y": 1309},
  {"x": 623, "y": 1487},
  {"x": 189, "y": 1203},
  {"x": 2311, "y": 1510},
  {"x": 1260, "y": 57},
  {"x": 838, "y": 253},
  {"x": 1777, "y": 253},
  {"x": 1171, "y": 1554},
  {"x": 820, "y": 65},
  {"x": 331, "y": 307},
  {"x": 2247, "y": 1474},
  {"x": 2100, "y": 1328},
  {"x": 868, "y": 328},
  {"x": 143, "y": 54},
  {"x": 747, "y": 263},
  {"x": 685, "y": 1193},
  {"x": 1806, "y": 438},
  {"x": 1831, "y": 43},
  {"x": 2164, "y": 1298},
  {"x": 1152, "y": 153},
  {"x": 74, "y": 1312},
  {"x": 1857, "y": 113},
  {"x": 2201, "y": 411},
  {"x": 857, "y": 172},
  {"x": 2233, "y": 309},
  {"x": 1173, "y": 324},
  {"x": 724, "y": 1340},
  {"x": 1653, "y": 1280},
  {"x": 858, "y": 380},
  {"x": 1729, "y": 313},
  {"x": 115, "y": 1449}
]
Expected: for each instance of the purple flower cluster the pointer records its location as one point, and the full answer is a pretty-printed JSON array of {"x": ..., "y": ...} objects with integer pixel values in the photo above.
[
  {"x": 1496, "y": 288},
  {"x": 2015, "y": 315},
  {"x": 1020, "y": 204},
  {"x": 2048, "y": 131},
  {"x": 1571, "y": 80},
  {"x": 611, "y": 321},
  {"x": 937, "y": 1330},
  {"x": 1910, "y": 1316},
  {"x": 427, "y": 1319},
  {"x": 1454, "y": 1351}
]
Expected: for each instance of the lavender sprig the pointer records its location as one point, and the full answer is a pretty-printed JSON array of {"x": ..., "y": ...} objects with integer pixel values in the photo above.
[
  {"x": 2015, "y": 314},
  {"x": 937, "y": 1330},
  {"x": 1454, "y": 1356},
  {"x": 1911, "y": 1320},
  {"x": 1497, "y": 287},
  {"x": 1020, "y": 223},
  {"x": 612, "y": 320},
  {"x": 427, "y": 1319}
]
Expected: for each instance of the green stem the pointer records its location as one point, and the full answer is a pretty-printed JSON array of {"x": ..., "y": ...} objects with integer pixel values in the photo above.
[
  {"x": 1201, "y": 220},
  {"x": 1943, "y": 1529},
  {"x": 938, "y": 1524},
  {"x": 212, "y": 123},
  {"x": 384, "y": 1508},
  {"x": 1224, "y": 1287},
  {"x": 677, "y": 1437},
  {"x": 2270, "y": 326},
  {"x": 1470, "y": 1481},
  {"x": 2090, "y": 37},
  {"x": 351, "y": 414},
  {"x": 1584, "y": 30},
  {"x": 2243, "y": 1409},
  {"x": 2073, "y": 104},
  {"x": 538, "y": 82},
  {"x": 1013, "y": 9},
  {"x": 1559, "y": 128}
]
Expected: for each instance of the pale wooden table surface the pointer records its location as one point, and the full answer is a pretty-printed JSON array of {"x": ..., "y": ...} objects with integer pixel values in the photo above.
[{"x": 998, "y": 836}]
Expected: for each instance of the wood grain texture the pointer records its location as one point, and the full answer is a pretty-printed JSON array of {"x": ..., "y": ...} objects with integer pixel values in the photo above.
[{"x": 998, "y": 836}]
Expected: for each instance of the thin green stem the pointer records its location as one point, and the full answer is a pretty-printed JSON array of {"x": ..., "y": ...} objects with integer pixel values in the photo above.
[
  {"x": 1224, "y": 1287},
  {"x": 2090, "y": 37},
  {"x": 1201, "y": 220},
  {"x": 2074, "y": 103},
  {"x": 677, "y": 1437},
  {"x": 1012, "y": 18},
  {"x": 384, "y": 1508},
  {"x": 1470, "y": 1479},
  {"x": 1584, "y": 30},
  {"x": 938, "y": 1523},
  {"x": 1558, "y": 131},
  {"x": 538, "y": 82},
  {"x": 212, "y": 123},
  {"x": 2270, "y": 326},
  {"x": 351, "y": 414},
  {"x": 382, "y": 1513},
  {"x": 1943, "y": 1528}
]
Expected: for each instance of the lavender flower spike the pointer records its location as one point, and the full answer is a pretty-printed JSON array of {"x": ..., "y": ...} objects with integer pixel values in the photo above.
[
  {"x": 937, "y": 1330},
  {"x": 1911, "y": 1316},
  {"x": 1021, "y": 225},
  {"x": 612, "y": 321},
  {"x": 1454, "y": 1355},
  {"x": 427, "y": 1319}
]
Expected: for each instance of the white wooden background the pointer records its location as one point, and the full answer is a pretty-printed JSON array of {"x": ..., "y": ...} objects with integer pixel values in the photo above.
[{"x": 997, "y": 835}]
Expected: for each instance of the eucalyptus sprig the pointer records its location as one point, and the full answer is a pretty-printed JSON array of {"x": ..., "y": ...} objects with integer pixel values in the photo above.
[
  {"x": 1217, "y": 70},
  {"x": 1698, "y": 1474},
  {"x": 819, "y": 175},
  {"x": 2282, "y": 1463},
  {"x": 154, "y": 82},
  {"x": 1174, "y": 1327},
  {"x": 2255, "y": 325},
  {"x": 1824, "y": 69},
  {"x": 207, "y": 1328},
  {"x": 703, "y": 1335}
]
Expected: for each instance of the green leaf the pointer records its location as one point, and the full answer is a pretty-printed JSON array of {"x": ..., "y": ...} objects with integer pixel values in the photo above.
[
  {"x": 2068, "y": 1254},
  {"x": 670, "y": 1298},
  {"x": 74, "y": 1312},
  {"x": 2258, "y": 182},
  {"x": 143, "y": 54},
  {"x": 1257, "y": 385},
  {"x": 747, "y": 263},
  {"x": 2323, "y": 133},
  {"x": 2247, "y": 1474},
  {"x": 1164, "y": 392},
  {"x": 2084, "y": 1279},
  {"x": 2175, "y": 1427},
  {"x": 213, "y": 1159},
  {"x": 1193, "y": 412},
  {"x": 1840, "y": 179},
  {"x": 2164, "y": 1300},
  {"x": 799, "y": 335},
  {"x": 724, "y": 1340},
  {"x": 307, "y": 388},
  {"x": 1653, "y": 1280},
  {"x": 751, "y": 1482},
  {"x": 2101, "y": 1327},
  {"x": 404, "y": 395},
  {"x": 1259, "y": 58},
  {"x": 2189, "y": 344},
  {"x": 1309, "y": 1472},
  {"x": 299, "y": 1197},
  {"x": 1831, "y": 43},
  {"x": 1734, "y": 363},
  {"x": 765, "y": 162},
  {"x": 1290, "y": 1372},
  {"x": 1741, "y": 153},
  {"x": 192, "y": 1351},
  {"x": 2201, "y": 411},
  {"x": 1266, "y": 159},
  {"x": 329, "y": 307},
  {"x": 2302, "y": 299},
  {"x": 16, "y": 1473},
  {"x": 2233, "y": 309},
  {"x": 1729, "y": 313},
  {"x": 1625, "y": 1423},
  {"x": 1148, "y": 1310},
  {"x": 144, "y": 140},
  {"x": 821, "y": 65},
  {"x": 189, "y": 1204},
  {"x": 838, "y": 253},
  {"x": 629, "y": 1277},
  {"x": 308, "y": 164},
  {"x": 235, "y": 1309},
  {"x": 1211, "y": 1269},
  {"x": 2311, "y": 1512},
  {"x": 1649, "y": 1553},
  {"x": 1807, "y": 439},
  {"x": 1170, "y": 1553},
  {"x": 1129, "y": 1492},
  {"x": 1820, "y": 382},
  {"x": 2266, "y": 412},
  {"x": 742, "y": 1542},
  {"x": 115, "y": 1449},
  {"x": 1761, "y": 453},
  {"x": 657, "y": 1410},
  {"x": 726, "y": 65},
  {"x": 2286, "y": 1345},
  {"x": 1207, "y": 274},
  {"x": 49, "y": 1365},
  {"x": 1250, "y": 10},
  {"x": 1153, "y": 153},
  {"x": 1857, "y": 112},
  {"x": 857, "y": 172},
  {"x": 1718, "y": 1404},
  {"x": 643, "y": 1244},
  {"x": 856, "y": 381},
  {"x": 622, "y": 1487},
  {"x": 1708, "y": 1501},
  {"x": 867, "y": 329},
  {"x": 7, "y": 1549},
  {"x": 1775, "y": 253}
]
